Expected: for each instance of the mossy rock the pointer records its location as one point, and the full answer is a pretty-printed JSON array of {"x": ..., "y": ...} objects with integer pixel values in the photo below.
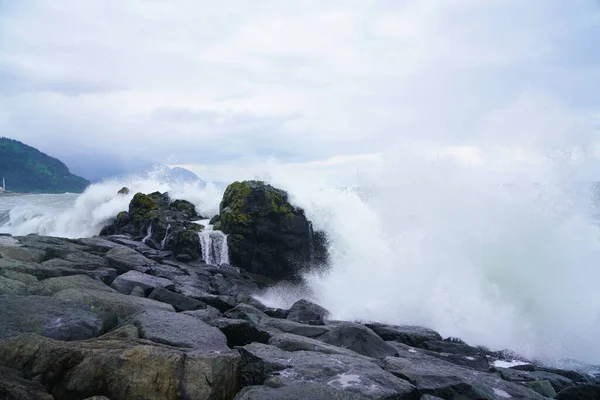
[
  {"x": 266, "y": 234},
  {"x": 124, "y": 190},
  {"x": 186, "y": 207},
  {"x": 187, "y": 244}
]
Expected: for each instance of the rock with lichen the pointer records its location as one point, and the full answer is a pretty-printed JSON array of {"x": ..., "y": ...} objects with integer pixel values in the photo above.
[
  {"x": 161, "y": 223},
  {"x": 267, "y": 235}
]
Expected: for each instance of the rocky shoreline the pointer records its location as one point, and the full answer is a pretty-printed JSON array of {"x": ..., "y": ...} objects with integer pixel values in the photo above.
[{"x": 112, "y": 317}]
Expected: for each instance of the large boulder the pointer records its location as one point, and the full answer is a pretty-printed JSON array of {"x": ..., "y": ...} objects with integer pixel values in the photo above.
[
  {"x": 51, "y": 317},
  {"x": 108, "y": 304},
  {"x": 410, "y": 335},
  {"x": 123, "y": 369},
  {"x": 179, "y": 330},
  {"x": 360, "y": 339},
  {"x": 266, "y": 234},
  {"x": 305, "y": 312}
]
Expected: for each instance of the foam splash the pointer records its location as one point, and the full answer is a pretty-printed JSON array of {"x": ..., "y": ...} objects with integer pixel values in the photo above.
[
  {"x": 505, "y": 266},
  {"x": 74, "y": 216}
]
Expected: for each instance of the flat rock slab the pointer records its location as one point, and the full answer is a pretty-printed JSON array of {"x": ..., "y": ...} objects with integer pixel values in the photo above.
[
  {"x": 449, "y": 381},
  {"x": 106, "y": 303},
  {"x": 179, "y": 330},
  {"x": 558, "y": 382},
  {"x": 354, "y": 375},
  {"x": 82, "y": 282},
  {"x": 180, "y": 302},
  {"x": 51, "y": 317},
  {"x": 407, "y": 334},
  {"x": 126, "y": 282},
  {"x": 358, "y": 338},
  {"x": 291, "y": 342},
  {"x": 124, "y": 259}
]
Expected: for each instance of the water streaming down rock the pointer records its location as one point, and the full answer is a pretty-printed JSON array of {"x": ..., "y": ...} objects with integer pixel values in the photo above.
[
  {"x": 148, "y": 234},
  {"x": 164, "y": 241},
  {"x": 213, "y": 245}
]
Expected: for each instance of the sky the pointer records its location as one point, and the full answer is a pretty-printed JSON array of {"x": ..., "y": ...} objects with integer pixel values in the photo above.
[{"x": 334, "y": 88}]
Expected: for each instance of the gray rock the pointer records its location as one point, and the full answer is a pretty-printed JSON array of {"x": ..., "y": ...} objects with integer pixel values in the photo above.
[
  {"x": 123, "y": 369},
  {"x": 206, "y": 315},
  {"x": 583, "y": 392},
  {"x": 54, "y": 247},
  {"x": 358, "y": 338},
  {"x": 125, "y": 259},
  {"x": 442, "y": 346},
  {"x": 14, "y": 387},
  {"x": 99, "y": 244},
  {"x": 23, "y": 254},
  {"x": 240, "y": 332},
  {"x": 179, "y": 330},
  {"x": 221, "y": 303},
  {"x": 54, "y": 318},
  {"x": 138, "y": 292},
  {"x": 290, "y": 342},
  {"x": 439, "y": 378},
  {"x": 107, "y": 304},
  {"x": 27, "y": 279},
  {"x": 82, "y": 282},
  {"x": 180, "y": 302},
  {"x": 278, "y": 368},
  {"x": 126, "y": 282},
  {"x": 410, "y": 335},
  {"x": 299, "y": 391},
  {"x": 41, "y": 272},
  {"x": 276, "y": 313},
  {"x": 542, "y": 387},
  {"x": 305, "y": 312},
  {"x": 12, "y": 287},
  {"x": 558, "y": 382},
  {"x": 478, "y": 362},
  {"x": 284, "y": 325},
  {"x": 87, "y": 261},
  {"x": 246, "y": 312}
]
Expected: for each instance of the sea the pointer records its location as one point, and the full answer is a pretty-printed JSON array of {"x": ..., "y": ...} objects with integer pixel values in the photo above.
[{"x": 506, "y": 266}]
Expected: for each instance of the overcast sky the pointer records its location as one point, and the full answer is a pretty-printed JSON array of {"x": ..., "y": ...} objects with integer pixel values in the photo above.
[{"x": 328, "y": 86}]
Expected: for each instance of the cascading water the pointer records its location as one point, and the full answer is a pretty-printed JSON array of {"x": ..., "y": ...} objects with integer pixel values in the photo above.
[
  {"x": 213, "y": 245},
  {"x": 148, "y": 234},
  {"x": 164, "y": 241}
]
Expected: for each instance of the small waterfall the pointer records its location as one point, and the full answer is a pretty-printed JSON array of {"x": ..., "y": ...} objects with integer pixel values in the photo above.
[
  {"x": 148, "y": 234},
  {"x": 311, "y": 244},
  {"x": 164, "y": 241},
  {"x": 213, "y": 245}
]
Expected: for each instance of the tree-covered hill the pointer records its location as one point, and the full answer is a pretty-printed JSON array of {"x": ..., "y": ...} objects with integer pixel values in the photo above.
[{"x": 27, "y": 169}]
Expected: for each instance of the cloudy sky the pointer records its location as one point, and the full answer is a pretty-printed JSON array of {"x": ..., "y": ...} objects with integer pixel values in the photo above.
[{"x": 332, "y": 87}]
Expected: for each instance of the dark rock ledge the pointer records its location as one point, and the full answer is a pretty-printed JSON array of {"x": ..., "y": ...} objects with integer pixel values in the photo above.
[{"x": 113, "y": 318}]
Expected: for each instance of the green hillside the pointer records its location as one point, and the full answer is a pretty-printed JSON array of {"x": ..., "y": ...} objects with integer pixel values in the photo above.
[{"x": 27, "y": 169}]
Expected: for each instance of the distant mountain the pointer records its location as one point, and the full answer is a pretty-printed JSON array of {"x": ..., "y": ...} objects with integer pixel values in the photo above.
[{"x": 27, "y": 169}]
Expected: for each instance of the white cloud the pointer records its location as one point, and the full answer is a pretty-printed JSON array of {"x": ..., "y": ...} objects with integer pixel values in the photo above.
[{"x": 229, "y": 83}]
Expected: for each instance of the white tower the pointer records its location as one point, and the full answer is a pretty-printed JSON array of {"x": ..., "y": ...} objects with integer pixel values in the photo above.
[{"x": 3, "y": 188}]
